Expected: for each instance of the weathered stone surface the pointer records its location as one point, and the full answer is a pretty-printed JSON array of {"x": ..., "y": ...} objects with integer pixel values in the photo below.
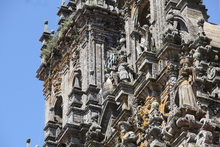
[
  {"x": 131, "y": 73},
  {"x": 212, "y": 31}
]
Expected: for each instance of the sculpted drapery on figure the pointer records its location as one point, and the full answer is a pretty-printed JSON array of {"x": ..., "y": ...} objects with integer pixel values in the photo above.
[{"x": 184, "y": 92}]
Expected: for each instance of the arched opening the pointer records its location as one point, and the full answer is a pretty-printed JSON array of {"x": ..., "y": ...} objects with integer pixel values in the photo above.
[
  {"x": 181, "y": 26},
  {"x": 144, "y": 14},
  {"x": 58, "y": 110},
  {"x": 182, "y": 30},
  {"x": 76, "y": 79},
  {"x": 141, "y": 15}
]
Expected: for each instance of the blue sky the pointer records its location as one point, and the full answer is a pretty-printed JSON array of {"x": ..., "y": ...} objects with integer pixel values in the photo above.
[{"x": 22, "y": 103}]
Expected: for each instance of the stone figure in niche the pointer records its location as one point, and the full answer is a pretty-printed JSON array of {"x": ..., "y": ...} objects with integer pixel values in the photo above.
[
  {"x": 108, "y": 85},
  {"x": 57, "y": 86},
  {"x": 58, "y": 110},
  {"x": 214, "y": 112},
  {"x": 144, "y": 39},
  {"x": 146, "y": 28},
  {"x": 155, "y": 115},
  {"x": 171, "y": 24},
  {"x": 122, "y": 43},
  {"x": 75, "y": 59},
  {"x": 184, "y": 93},
  {"x": 126, "y": 73},
  {"x": 153, "y": 133},
  {"x": 200, "y": 24},
  {"x": 204, "y": 138},
  {"x": 141, "y": 45},
  {"x": 114, "y": 75},
  {"x": 94, "y": 133},
  {"x": 173, "y": 73},
  {"x": 51, "y": 114},
  {"x": 197, "y": 58},
  {"x": 139, "y": 117},
  {"x": 128, "y": 137},
  {"x": 77, "y": 78},
  {"x": 122, "y": 69},
  {"x": 171, "y": 33},
  {"x": 152, "y": 40},
  {"x": 123, "y": 73}
]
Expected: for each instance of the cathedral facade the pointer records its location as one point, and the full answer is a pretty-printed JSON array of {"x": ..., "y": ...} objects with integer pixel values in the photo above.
[{"x": 131, "y": 73}]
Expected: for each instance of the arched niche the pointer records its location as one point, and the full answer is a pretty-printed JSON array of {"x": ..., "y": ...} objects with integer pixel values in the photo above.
[
  {"x": 180, "y": 23},
  {"x": 184, "y": 24},
  {"x": 141, "y": 13},
  {"x": 58, "y": 110},
  {"x": 76, "y": 78}
]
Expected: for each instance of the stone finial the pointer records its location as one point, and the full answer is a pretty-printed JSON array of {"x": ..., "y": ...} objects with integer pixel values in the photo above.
[
  {"x": 46, "y": 26},
  {"x": 63, "y": 2},
  {"x": 28, "y": 142},
  {"x": 52, "y": 32}
]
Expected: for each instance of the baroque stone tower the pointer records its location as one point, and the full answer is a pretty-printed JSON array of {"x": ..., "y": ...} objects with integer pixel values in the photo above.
[{"x": 131, "y": 73}]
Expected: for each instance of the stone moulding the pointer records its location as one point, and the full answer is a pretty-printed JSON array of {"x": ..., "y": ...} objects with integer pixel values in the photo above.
[{"x": 132, "y": 74}]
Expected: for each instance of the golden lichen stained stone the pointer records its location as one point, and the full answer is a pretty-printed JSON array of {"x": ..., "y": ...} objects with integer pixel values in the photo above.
[{"x": 131, "y": 73}]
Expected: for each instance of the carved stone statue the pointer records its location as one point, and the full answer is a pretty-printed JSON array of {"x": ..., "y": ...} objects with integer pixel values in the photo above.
[
  {"x": 94, "y": 133},
  {"x": 147, "y": 36},
  {"x": 108, "y": 85},
  {"x": 153, "y": 133},
  {"x": 114, "y": 75},
  {"x": 200, "y": 24},
  {"x": 77, "y": 78},
  {"x": 171, "y": 24},
  {"x": 123, "y": 68},
  {"x": 185, "y": 94},
  {"x": 204, "y": 138},
  {"x": 128, "y": 137},
  {"x": 122, "y": 43},
  {"x": 123, "y": 73},
  {"x": 171, "y": 33}
]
